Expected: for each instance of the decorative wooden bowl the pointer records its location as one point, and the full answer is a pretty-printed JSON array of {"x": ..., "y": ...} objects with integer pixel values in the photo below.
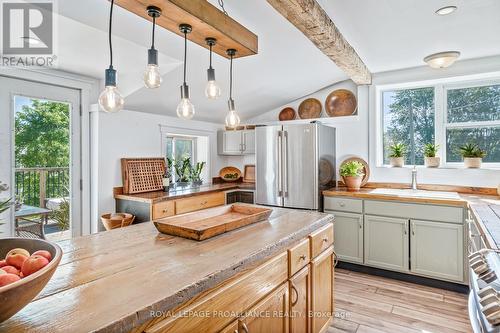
[
  {"x": 310, "y": 109},
  {"x": 341, "y": 102},
  {"x": 287, "y": 113},
  {"x": 117, "y": 220},
  {"x": 230, "y": 174},
  {"x": 17, "y": 295}
]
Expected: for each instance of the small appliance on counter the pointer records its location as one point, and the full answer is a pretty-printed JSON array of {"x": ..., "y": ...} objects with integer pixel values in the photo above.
[
  {"x": 295, "y": 163},
  {"x": 484, "y": 297}
]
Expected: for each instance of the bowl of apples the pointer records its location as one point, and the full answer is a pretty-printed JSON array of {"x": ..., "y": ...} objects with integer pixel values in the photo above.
[{"x": 26, "y": 265}]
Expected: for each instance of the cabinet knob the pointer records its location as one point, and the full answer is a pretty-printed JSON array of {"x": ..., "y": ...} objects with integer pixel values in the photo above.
[
  {"x": 303, "y": 257},
  {"x": 325, "y": 239},
  {"x": 342, "y": 204}
]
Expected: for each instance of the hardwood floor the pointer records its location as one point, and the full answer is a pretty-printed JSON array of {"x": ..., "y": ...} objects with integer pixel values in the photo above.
[{"x": 371, "y": 304}]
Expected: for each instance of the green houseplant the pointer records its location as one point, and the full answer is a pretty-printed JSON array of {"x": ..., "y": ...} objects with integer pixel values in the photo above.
[
  {"x": 352, "y": 173},
  {"x": 196, "y": 172},
  {"x": 472, "y": 155},
  {"x": 397, "y": 155},
  {"x": 430, "y": 158}
]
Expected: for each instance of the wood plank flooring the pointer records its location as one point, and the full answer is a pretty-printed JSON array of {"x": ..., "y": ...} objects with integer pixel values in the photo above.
[{"x": 371, "y": 304}]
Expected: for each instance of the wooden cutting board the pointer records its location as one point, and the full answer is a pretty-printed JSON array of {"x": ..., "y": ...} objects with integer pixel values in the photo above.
[
  {"x": 211, "y": 222},
  {"x": 142, "y": 174}
]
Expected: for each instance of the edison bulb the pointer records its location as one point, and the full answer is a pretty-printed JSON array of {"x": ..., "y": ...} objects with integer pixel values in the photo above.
[
  {"x": 185, "y": 109},
  {"x": 232, "y": 119},
  {"x": 212, "y": 91},
  {"x": 152, "y": 77},
  {"x": 111, "y": 100}
]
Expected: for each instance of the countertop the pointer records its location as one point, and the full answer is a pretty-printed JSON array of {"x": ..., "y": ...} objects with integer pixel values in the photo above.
[
  {"x": 110, "y": 281},
  {"x": 158, "y": 196}
]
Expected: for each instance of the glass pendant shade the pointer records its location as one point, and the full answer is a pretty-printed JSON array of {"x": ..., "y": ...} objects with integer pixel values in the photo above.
[
  {"x": 111, "y": 100},
  {"x": 152, "y": 77},
  {"x": 232, "y": 119},
  {"x": 185, "y": 109},
  {"x": 212, "y": 90}
]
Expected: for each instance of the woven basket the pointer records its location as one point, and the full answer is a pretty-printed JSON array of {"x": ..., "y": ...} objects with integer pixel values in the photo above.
[{"x": 118, "y": 220}]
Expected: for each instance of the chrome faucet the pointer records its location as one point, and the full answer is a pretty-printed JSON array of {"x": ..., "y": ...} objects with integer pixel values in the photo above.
[{"x": 414, "y": 178}]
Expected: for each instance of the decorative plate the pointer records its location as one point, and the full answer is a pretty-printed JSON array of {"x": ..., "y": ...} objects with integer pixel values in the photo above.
[
  {"x": 287, "y": 113},
  {"x": 341, "y": 102},
  {"x": 310, "y": 109}
]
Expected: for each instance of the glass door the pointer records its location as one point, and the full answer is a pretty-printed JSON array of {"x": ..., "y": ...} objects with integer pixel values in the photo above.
[{"x": 43, "y": 159}]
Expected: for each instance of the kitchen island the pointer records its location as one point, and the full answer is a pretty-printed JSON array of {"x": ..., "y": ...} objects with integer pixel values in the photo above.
[{"x": 135, "y": 278}]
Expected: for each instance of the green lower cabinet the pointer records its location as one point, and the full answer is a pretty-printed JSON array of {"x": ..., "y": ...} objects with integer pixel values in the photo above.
[
  {"x": 437, "y": 250},
  {"x": 348, "y": 237},
  {"x": 386, "y": 243}
]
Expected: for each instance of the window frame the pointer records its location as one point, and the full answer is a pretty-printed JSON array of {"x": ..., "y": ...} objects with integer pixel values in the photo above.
[
  {"x": 441, "y": 124},
  {"x": 174, "y": 137}
]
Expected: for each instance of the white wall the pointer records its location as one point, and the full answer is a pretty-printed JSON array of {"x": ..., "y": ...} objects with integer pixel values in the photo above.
[{"x": 135, "y": 134}]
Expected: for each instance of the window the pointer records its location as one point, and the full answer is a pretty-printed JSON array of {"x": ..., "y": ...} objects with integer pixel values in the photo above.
[
  {"x": 448, "y": 115},
  {"x": 179, "y": 148}
]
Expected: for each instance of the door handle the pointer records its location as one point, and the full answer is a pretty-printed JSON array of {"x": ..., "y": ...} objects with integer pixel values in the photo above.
[
  {"x": 245, "y": 328},
  {"x": 294, "y": 290},
  {"x": 285, "y": 173},
  {"x": 413, "y": 229},
  {"x": 280, "y": 190}
]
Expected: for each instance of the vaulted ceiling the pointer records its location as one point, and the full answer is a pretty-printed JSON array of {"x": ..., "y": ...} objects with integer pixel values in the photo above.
[{"x": 387, "y": 34}]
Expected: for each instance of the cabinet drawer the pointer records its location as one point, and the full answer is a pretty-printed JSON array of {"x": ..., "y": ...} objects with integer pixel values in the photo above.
[
  {"x": 344, "y": 204},
  {"x": 298, "y": 257},
  {"x": 199, "y": 202},
  {"x": 163, "y": 209},
  {"x": 415, "y": 211},
  {"x": 321, "y": 240}
]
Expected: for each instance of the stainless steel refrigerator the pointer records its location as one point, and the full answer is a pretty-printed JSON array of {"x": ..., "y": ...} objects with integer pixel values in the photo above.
[{"x": 294, "y": 164}]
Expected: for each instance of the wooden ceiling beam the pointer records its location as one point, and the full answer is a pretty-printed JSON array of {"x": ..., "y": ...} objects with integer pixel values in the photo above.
[
  {"x": 206, "y": 20},
  {"x": 315, "y": 24}
]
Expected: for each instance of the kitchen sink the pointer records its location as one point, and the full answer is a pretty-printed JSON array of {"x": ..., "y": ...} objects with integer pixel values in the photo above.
[{"x": 416, "y": 193}]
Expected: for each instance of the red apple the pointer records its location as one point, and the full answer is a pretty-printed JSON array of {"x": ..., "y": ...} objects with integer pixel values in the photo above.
[
  {"x": 43, "y": 253},
  {"x": 16, "y": 257},
  {"x": 6, "y": 279},
  {"x": 3, "y": 263},
  {"x": 33, "y": 264},
  {"x": 10, "y": 270}
]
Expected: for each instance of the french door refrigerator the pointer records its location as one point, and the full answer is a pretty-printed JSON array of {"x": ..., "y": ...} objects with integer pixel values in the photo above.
[{"x": 294, "y": 164}]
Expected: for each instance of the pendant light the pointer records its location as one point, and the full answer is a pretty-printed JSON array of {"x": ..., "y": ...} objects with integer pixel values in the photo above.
[
  {"x": 212, "y": 90},
  {"x": 185, "y": 109},
  {"x": 232, "y": 118},
  {"x": 152, "y": 77},
  {"x": 110, "y": 99}
]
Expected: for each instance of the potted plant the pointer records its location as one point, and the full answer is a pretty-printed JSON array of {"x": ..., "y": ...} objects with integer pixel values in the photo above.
[
  {"x": 430, "y": 158},
  {"x": 397, "y": 156},
  {"x": 352, "y": 173},
  {"x": 473, "y": 155},
  {"x": 196, "y": 173}
]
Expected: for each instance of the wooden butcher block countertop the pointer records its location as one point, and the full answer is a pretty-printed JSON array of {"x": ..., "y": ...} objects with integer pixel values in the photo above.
[
  {"x": 158, "y": 196},
  {"x": 110, "y": 281}
]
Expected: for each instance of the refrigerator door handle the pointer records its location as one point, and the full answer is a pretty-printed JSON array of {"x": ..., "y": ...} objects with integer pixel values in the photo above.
[
  {"x": 285, "y": 168},
  {"x": 280, "y": 162}
]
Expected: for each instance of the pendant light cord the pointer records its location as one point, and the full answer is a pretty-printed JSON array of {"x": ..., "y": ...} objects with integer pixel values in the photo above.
[
  {"x": 221, "y": 4},
  {"x": 109, "y": 34},
  {"x": 185, "y": 53},
  {"x": 231, "y": 79},
  {"x": 153, "y": 37}
]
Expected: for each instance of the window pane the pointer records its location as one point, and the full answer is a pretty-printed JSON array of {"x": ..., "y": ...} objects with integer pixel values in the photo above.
[
  {"x": 474, "y": 104},
  {"x": 398, "y": 106},
  {"x": 487, "y": 139},
  {"x": 170, "y": 153},
  {"x": 183, "y": 149}
]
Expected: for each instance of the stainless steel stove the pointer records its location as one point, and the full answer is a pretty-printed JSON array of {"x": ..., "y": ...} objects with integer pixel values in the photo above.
[{"x": 484, "y": 297}]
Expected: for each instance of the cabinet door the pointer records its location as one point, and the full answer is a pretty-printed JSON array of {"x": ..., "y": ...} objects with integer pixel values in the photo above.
[
  {"x": 386, "y": 243},
  {"x": 300, "y": 301},
  {"x": 322, "y": 275},
  {"x": 348, "y": 236},
  {"x": 231, "y": 142},
  {"x": 437, "y": 249},
  {"x": 269, "y": 315},
  {"x": 248, "y": 141}
]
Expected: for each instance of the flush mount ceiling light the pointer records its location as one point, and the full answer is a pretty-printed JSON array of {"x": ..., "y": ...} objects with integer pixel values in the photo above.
[
  {"x": 442, "y": 59},
  {"x": 152, "y": 77},
  {"x": 185, "y": 109},
  {"x": 232, "y": 118},
  {"x": 212, "y": 91},
  {"x": 446, "y": 10},
  {"x": 110, "y": 99}
]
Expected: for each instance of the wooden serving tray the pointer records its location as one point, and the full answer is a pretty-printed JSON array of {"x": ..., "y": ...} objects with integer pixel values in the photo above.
[
  {"x": 211, "y": 222},
  {"x": 141, "y": 175}
]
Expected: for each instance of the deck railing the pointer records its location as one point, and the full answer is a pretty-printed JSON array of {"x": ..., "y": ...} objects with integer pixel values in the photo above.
[{"x": 35, "y": 185}]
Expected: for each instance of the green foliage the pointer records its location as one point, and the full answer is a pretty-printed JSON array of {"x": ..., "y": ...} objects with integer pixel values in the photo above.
[
  {"x": 62, "y": 215},
  {"x": 196, "y": 172},
  {"x": 351, "y": 169},
  {"x": 398, "y": 149},
  {"x": 471, "y": 150},
  {"x": 431, "y": 149},
  {"x": 42, "y": 135},
  {"x": 186, "y": 172}
]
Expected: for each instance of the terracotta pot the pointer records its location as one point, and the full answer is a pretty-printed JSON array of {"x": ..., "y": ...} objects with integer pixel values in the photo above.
[
  {"x": 397, "y": 162},
  {"x": 353, "y": 183},
  {"x": 473, "y": 162},
  {"x": 432, "y": 162}
]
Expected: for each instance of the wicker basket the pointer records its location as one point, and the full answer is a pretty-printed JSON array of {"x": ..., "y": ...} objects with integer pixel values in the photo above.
[{"x": 117, "y": 220}]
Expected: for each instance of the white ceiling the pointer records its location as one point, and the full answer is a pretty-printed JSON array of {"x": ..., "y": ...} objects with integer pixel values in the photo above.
[{"x": 388, "y": 34}]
